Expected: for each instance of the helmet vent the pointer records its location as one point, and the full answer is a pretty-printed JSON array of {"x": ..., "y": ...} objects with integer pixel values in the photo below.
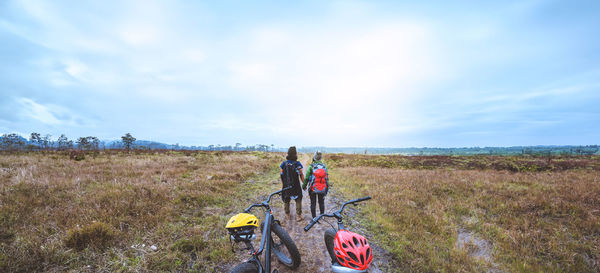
[
  {"x": 368, "y": 253},
  {"x": 352, "y": 256},
  {"x": 344, "y": 245},
  {"x": 250, "y": 222},
  {"x": 362, "y": 259},
  {"x": 356, "y": 242}
]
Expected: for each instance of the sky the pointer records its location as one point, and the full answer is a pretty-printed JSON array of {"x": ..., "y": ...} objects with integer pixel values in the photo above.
[{"x": 305, "y": 73}]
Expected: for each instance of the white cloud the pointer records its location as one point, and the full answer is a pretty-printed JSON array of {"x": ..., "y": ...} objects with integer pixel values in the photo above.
[
  {"x": 38, "y": 112},
  {"x": 355, "y": 70},
  {"x": 193, "y": 55},
  {"x": 140, "y": 35},
  {"x": 50, "y": 114},
  {"x": 253, "y": 74},
  {"x": 75, "y": 68},
  {"x": 357, "y": 82}
]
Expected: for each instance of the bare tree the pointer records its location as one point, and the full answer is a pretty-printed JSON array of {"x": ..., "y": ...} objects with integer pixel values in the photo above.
[
  {"x": 47, "y": 142},
  {"x": 64, "y": 143},
  {"x": 82, "y": 143},
  {"x": 36, "y": 139},
  {"x": 94, "y": 143},
  {"x": 88, "y": 143},
  {"x": 11, "y": 142},
  {"x": 128, "y": 140}
]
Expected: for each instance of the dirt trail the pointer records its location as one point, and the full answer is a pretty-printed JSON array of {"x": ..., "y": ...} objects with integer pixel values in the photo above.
[{"x": 311, "y": 245}]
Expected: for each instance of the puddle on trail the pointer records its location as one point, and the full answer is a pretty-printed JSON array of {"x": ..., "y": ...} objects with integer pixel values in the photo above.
[{"x": 477, "y": 248}]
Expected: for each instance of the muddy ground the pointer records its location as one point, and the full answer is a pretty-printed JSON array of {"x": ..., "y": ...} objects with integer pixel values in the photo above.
[{"x": 311, "y": 244}]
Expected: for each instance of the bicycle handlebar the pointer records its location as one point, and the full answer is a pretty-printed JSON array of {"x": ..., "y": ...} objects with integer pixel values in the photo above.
[
  {"x": 251, "y": 206},
  {"x": 360, "y": 199},
  {"x": 310, "y": 225},
  {"x": 266, "y": 202},
  {"x": 335, "y": 214}
]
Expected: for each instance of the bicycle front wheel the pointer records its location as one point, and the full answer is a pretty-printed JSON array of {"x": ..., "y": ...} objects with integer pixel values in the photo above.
[
  {"x": 245, "y": 267},
  {"x": 329, "y": 237},
  {"x": 284, "y": 247}
]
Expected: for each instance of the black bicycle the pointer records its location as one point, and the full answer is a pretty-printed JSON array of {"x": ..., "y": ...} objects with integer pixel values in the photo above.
[
  {"x": 281, "y": 244},
  {"x": 349, "y": 252}
]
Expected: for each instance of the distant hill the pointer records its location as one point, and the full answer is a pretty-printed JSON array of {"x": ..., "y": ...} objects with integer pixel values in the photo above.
[
  {"x": 515, "y": 150},
  {"x": 153, "y": 145},
  {"x": 17, "y": 142}
]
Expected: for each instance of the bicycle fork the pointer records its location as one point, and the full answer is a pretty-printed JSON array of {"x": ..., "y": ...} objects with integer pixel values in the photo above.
[{"x": 265, "y": 244}]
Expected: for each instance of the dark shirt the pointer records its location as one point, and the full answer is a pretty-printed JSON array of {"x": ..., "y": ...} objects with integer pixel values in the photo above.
[{"x": 296, "y": 190}]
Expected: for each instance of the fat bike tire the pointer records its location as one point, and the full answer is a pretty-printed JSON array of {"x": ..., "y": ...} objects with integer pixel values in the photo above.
[
  {"x": 245, "y": 267},
  {"x": 329, "y": 237},
  {"x": 290, "y": 259}
]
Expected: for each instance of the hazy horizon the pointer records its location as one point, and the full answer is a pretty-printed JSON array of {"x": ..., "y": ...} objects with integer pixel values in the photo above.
[{"x": 310, "y": 73}]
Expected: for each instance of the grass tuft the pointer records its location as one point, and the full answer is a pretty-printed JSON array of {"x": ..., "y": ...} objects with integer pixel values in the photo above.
[
  {"x": 96, "y": 235},
  {"x": 196, "y": 243}
]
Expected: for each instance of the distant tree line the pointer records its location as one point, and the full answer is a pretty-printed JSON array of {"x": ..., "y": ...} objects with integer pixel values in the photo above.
[
  {"x": 37, "y": 142},
  {"x": 426, "y": 151}
]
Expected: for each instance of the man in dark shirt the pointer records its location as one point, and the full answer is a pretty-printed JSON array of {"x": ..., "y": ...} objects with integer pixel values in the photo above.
[{"x": 291, "y": 175}]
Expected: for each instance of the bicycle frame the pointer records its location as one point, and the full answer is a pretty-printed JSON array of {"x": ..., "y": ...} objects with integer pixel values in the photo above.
[
  {"x": 265, "y": 245},
  {"x": 265, "y": 241},
  {"x": 336, "y": 267},
  {"x": 337, "y": 214}
]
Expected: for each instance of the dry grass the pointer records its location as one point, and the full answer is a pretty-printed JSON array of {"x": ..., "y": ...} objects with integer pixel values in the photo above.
[
  {"x": 103, "y": 213},
  {"x": 476, "y": 162},
  {"x": 535, "y": 221},
  {"x": 95, "y": 235}
]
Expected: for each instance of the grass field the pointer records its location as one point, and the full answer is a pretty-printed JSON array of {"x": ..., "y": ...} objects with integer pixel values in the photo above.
[
  {"x": 166, "y": 211},
  {"x": 528, "y": 214},
  {"x": 123, "y": 212}
]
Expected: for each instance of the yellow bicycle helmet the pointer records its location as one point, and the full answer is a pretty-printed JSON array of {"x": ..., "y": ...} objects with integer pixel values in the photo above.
[
  {"x": 241, "y": 227},
  {"x": 242, "y": 220}
]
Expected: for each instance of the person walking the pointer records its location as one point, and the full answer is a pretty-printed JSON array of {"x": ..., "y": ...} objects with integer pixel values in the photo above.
[
  {"x": 291, "y": 175},
  {"x": 317, "y": 181}
]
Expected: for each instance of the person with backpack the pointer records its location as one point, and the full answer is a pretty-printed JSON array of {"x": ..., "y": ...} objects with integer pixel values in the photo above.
[
  {"x": 317, "y": 180},
  {"x": 291, "y": 175}
]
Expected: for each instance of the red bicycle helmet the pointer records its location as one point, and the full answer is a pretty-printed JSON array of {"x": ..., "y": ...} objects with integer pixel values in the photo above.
[{"x": 352, "y": 250}]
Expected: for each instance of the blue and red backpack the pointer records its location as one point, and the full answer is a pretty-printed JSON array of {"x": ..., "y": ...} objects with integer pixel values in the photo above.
[{"x": 319, "y": 180}]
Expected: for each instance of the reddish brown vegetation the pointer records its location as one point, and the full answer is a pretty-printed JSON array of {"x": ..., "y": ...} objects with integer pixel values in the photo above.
[
  {"x": 509, "y": 163},
  {"x": 535, "y": 221}
]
